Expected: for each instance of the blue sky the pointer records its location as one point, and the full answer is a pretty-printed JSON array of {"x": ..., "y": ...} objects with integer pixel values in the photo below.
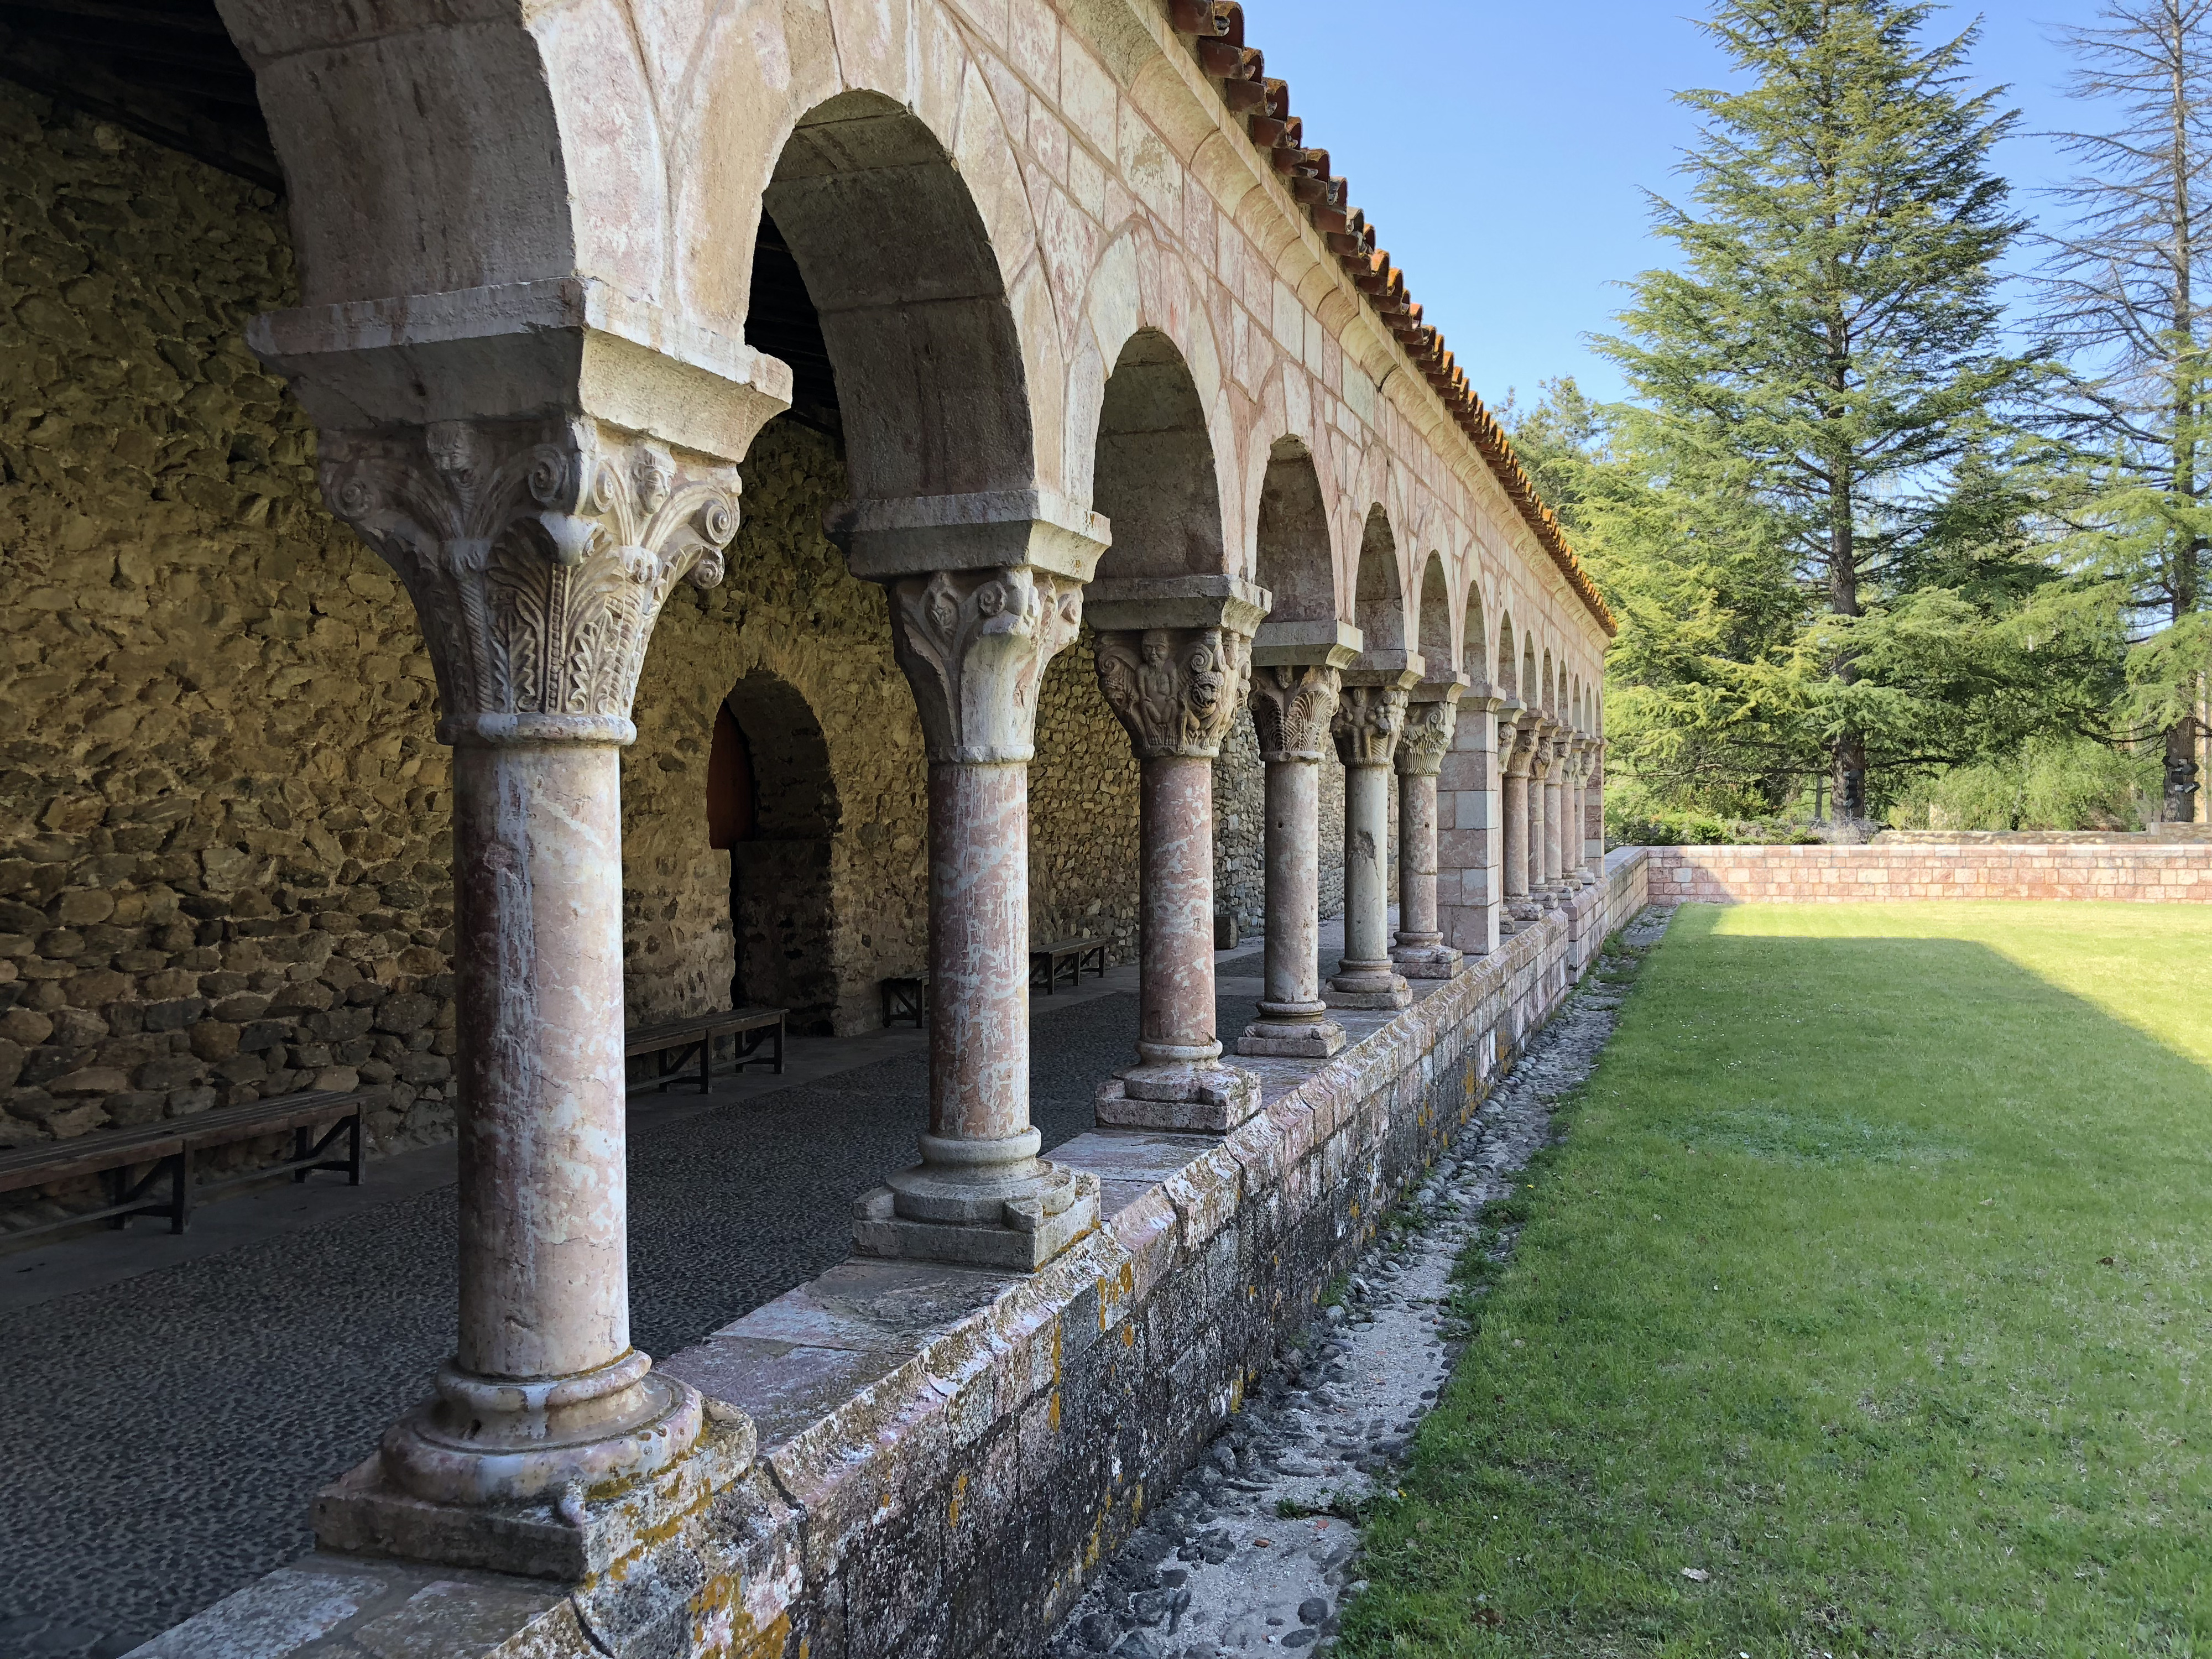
[{"x": 1502, "y": 148}]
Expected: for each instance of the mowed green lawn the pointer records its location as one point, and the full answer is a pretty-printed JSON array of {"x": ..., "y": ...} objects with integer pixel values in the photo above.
[{"x": 1873, "y": 1279}]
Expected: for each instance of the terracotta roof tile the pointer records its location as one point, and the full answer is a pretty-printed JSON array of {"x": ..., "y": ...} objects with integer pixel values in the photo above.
[{"x": 1216, "y": 29}]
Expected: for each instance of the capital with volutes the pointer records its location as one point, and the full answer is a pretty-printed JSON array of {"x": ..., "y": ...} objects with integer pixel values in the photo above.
[{"x": 539, "y": 554}]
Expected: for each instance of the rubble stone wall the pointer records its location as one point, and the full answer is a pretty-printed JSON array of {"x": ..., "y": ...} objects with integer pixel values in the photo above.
[
  {"x": 223, "y": 847},
  {"x": 224, "y": 837},
  {"x": 2149, "y": 873}
]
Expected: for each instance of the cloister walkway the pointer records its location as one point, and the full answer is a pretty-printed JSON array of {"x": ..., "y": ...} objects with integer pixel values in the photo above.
[{"x": 296, "y": 1324}]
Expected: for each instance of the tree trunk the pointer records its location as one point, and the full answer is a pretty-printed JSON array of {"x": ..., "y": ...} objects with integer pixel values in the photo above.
[
  {"x": 2180, "y": 805},
  {"x": 2181, "y": 771},
  {"x": 1848, "y": 758}
]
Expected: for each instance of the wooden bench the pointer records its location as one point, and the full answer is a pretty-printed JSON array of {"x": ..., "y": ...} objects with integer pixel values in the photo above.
[
  {"x": 906, "y": 1000},
  {"x": 1071, "y": 956},
  {"x": 674, "y": 1043},
  {"x": 166, "y": 1149}
]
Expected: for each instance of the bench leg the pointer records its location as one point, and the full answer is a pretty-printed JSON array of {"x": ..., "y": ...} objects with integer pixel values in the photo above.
[
  {"x": 119, "y": 1192},
  {"x": 706, "y": 1065},
  {"x": 180, "y": 1192},
  {"x": 353, "y": 1149},
  {"x": 302, "y": 1149},
  {"x": 779, "y": 1047}
]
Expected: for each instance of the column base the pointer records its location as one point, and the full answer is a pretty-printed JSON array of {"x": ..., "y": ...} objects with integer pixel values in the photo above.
[
  {"x": 505, "y": 1440},
  {"x": 1018, "y": 1219},
  {"x": 1426, "y": 960},
  {"x": 1184, "y": 1099},
  {"x": 569, "y": 1533},
  {"x": 1371, "y": 985},
  {"x": 1291, "y": 1039}
]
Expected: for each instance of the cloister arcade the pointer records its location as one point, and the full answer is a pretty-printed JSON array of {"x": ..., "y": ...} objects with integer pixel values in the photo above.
[{"x": 1108, "y": 360}]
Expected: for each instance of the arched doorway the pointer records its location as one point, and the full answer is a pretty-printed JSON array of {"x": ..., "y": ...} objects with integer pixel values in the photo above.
[{"x": 772, "y": 802}]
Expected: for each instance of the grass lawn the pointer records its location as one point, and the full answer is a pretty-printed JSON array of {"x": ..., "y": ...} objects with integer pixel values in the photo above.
[{"x": 1873, "y": 1279}]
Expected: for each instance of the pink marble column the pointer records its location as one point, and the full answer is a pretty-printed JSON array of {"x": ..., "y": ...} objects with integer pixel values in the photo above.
[
  {"x": 1370, "y": 714},
  {"x": 1544, "y": 818},
  {"x": 1577, "y": 848},
  {"x": 1292, "y": 703},
  {"x": 1517, "y": 742},
  {"x": 1176, "y": 690},
  {"x": 1419, "y": 949},
  {"x": 974, "y": 645},
  {"x": 538, "y": 555}
]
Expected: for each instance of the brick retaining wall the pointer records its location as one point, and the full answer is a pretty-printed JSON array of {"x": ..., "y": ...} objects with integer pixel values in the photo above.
[
  {"x": 2142, "y": 873},
  {"x": 945, "y": 1455}
]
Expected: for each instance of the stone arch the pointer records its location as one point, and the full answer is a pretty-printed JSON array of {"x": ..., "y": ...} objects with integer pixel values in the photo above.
[
  {"x": 1509, "y": 676},
  {"x": 1155, "y": 478},
  {"x": 1534, "y": 695},
  {"x": 1437, "y": 647},
  {"x": 914, "y": 308},
  {"x": 783, "y": 905},
  {"x": 1378, "y": 595},
  {"x": 1294, "y": 561}
]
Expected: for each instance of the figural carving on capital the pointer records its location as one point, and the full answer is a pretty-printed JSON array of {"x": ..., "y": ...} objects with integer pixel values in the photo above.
[
  {"x": 1521, "y": 754},
  {"x": 1292, "y": 704},
  {"x": 1369, "y": 720},
  {"x": 1427, "y": 738},
  {"x": 538, "y": 555},
  {"x": 1177, "y": 690},
  {"x": 974, "y": 645}
]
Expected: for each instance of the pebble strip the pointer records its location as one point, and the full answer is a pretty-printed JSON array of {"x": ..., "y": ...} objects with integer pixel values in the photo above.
[{"x": 1257, "y": 1550}]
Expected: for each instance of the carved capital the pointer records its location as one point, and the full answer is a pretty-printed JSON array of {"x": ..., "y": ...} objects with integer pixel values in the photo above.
[
  {"x": 1518, "y": 746},
  {"x": 1292, "y": 704},
  {"x": 975, "y": 645},
  {"x": 538, "y": 555},
  {"x": 1428, "y": 736},
  {"x": 1177, "y": 690},
  {"x": 1368, "y": 720}
]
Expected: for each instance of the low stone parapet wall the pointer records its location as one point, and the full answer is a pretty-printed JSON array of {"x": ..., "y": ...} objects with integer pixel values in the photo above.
[
  {"x": 946, "y": 1454},
  {"x": 2144, "y": 871}
]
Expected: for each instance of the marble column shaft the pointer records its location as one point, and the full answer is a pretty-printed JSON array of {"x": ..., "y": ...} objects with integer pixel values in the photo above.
[
  {"x": 1517, "y": 742},
  {"x": 975, "y": 645},
  {"x": 1419, "y": 951},
  {"x": 1292, "y": 705},
  {"x": 1176, "y": 690},
  {"x": 1369, "y": 716},
  {"x": 538, "y": 555}
]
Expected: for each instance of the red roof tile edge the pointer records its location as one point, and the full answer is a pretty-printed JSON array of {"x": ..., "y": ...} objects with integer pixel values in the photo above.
[{"x": 1216, "y": 29}]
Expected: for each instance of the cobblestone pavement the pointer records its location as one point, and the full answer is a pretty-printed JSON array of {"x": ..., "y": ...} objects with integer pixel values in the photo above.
[
  {"x": 1258, "y": 1550},
  {"x": 166, "y": 1432}
]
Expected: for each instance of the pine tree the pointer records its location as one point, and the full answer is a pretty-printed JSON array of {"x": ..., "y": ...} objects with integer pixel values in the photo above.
[
  {"x": 1834, "y": 326},
  {"x": 2126, "y": 295}
]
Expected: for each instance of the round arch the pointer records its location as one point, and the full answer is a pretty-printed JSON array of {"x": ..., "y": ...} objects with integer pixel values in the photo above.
[
  {"x": 1154, "y": 477},
  {"x": 1295, "y": 562},
  {"x": 1379, "y": 596},
  {"x": 900, "y": 269}
]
